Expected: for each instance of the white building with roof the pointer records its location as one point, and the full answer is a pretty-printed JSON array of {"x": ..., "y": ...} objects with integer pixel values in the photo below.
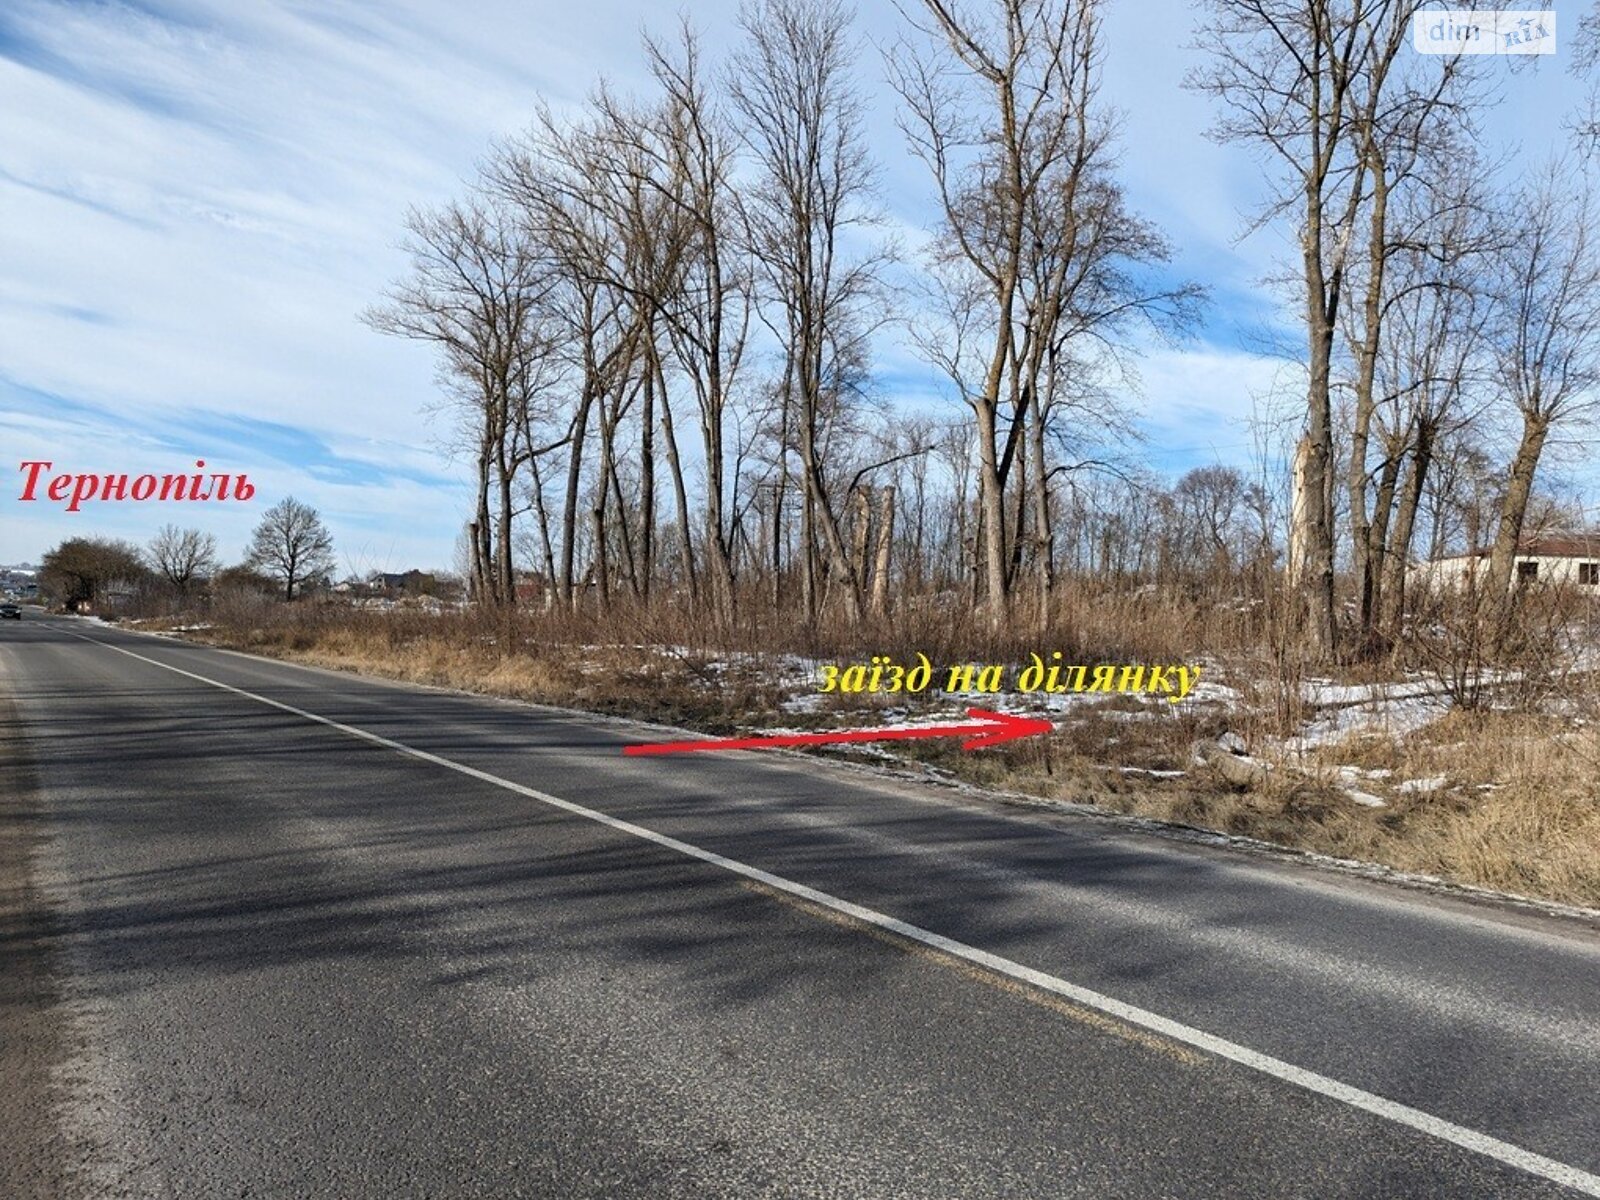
[{"x": 1557, "y": 559}]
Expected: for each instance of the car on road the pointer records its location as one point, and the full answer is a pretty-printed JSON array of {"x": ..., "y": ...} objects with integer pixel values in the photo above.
[{"x": 10, "y": 610}]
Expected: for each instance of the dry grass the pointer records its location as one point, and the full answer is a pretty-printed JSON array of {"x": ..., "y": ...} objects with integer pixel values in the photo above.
[{"x": 1519, "y": 809}]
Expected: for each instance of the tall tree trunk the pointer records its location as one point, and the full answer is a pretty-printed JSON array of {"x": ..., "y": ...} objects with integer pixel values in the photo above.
[
  {"x": 808, "y": 553},
  {"x": 992, "y": 518},
  {"x": 1514, "y": 510},
  {"x": 647, "y": 485},
  {"x": 1043, "y": 528},
  {"x": 861, "y": 532},
  {"x": 482, "y": 537},
  {"x": 546, "y": 545},
  {"x": 611, "y": 477},
  {"x": 1397, "y": 562},
  {"x": 1361, "y": 548},
  {"x": 679, "y": 492},
  {"x": 1316, "y": 569},
  {"x": 808, "y": 369},
  {"x": 884, "y": 551},
  {"x": 1019, "y": 522},
  {"x": 820, "y": 513},
  {"x": 719, "y": 562},
  {"x": 1377, "y": 540},
  {"x": 505, "y": 574},
  {"x": 602, "y": 498},
  {"x": 776, "y": 560},
  {"x": 569, "y": 513}
]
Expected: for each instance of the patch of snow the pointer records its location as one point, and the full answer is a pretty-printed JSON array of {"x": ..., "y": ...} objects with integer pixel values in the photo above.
[
  {"x": 1432, "y": 783},
  {"x": 1356, "y": 774},
  {"x": 1325, "y": 692},
  {"x": 1062, "y": 702},
  {"x": 1392, "y": 716},
  {"x": 1206, "y": 692},
  {"x": 1122, "y": 714},
  {"x": 1366, "y": 798}
]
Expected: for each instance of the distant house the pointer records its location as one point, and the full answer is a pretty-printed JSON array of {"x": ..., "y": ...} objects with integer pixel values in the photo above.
[
  {"x": 1572, "y": 559},
  {"x": 409, "y": 583},
  {"x": 20, "y": 583},
  {"x": 113, "y": 596},
  {"x": 531, "y": 590}
]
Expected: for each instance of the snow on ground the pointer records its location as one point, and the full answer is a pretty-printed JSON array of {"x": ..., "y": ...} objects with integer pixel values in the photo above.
[
  {"x": 1340, "y": 710},
  {"x": 1366, "y": 798},
  {"x": 1352, "y": 775},
  {"x": 1323, "y": 692},
  {"x": 1210, "y": 692},
  {"x": 1392, "y": 716},
  {"x": 1432, "y": 783},
  {"x": 805, "y": 702}
]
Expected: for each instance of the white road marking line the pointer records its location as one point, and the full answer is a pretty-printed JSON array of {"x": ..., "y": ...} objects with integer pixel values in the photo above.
[{"x": 1369, "y": 1102}]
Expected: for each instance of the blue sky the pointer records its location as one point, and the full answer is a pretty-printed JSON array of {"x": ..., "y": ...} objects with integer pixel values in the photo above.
[{"x": 198, "y": 197}]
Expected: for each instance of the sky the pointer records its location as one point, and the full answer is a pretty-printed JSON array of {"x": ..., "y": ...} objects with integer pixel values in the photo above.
[{"x": 199, "y": 197}]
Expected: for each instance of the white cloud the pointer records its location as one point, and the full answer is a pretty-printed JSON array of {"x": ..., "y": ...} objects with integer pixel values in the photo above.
[
  {"x": 1199, "y": 405},
  {"x": 201, "y": 196}
]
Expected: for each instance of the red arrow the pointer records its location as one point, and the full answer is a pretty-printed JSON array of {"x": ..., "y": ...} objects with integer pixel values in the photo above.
[{"x": 991, "y": 729}]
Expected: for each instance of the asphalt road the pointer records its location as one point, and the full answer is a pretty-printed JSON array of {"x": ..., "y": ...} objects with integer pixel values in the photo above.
[{"x": 269, "y": 931}]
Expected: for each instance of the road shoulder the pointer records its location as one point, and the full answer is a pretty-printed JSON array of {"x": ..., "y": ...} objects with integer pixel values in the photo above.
[
  {"x": 1373, "y": 879},
  {"x": 33, "y": 1028}
]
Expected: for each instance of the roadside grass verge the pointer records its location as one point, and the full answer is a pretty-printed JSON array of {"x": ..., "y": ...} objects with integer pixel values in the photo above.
[{"x": 1503, "y": 798}]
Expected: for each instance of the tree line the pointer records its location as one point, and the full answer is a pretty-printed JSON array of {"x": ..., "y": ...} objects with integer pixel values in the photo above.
[
  {"x": 1452, "y": 319},
  {"x": 289, "y": 550},
  {"x": 674, "y": 298},
  {"x": 656, "y": 319}
]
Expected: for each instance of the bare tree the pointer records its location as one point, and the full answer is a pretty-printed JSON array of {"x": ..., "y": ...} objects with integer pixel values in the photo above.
[
  {"x": 790, "y": 81},
  {"x": 1209, "y": 510},
  {"x": 1424, "y": 182},
  {"x": 1084, "y": 290},
  {"x": 291, "y": 545},
  {"x": 659, "y": 178},
  {"x": 984, "y": 111},
  {"x": 476, "y": 291},
  {"x": 1311, "y": 84},
  {"x": 183, "y": 556},
  {"x": 1426, "y": 374},
  {"x": 1544, "y": 335},
  {"x": 1035, "y": 241},
  {"x": 707, "y": 317}
]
